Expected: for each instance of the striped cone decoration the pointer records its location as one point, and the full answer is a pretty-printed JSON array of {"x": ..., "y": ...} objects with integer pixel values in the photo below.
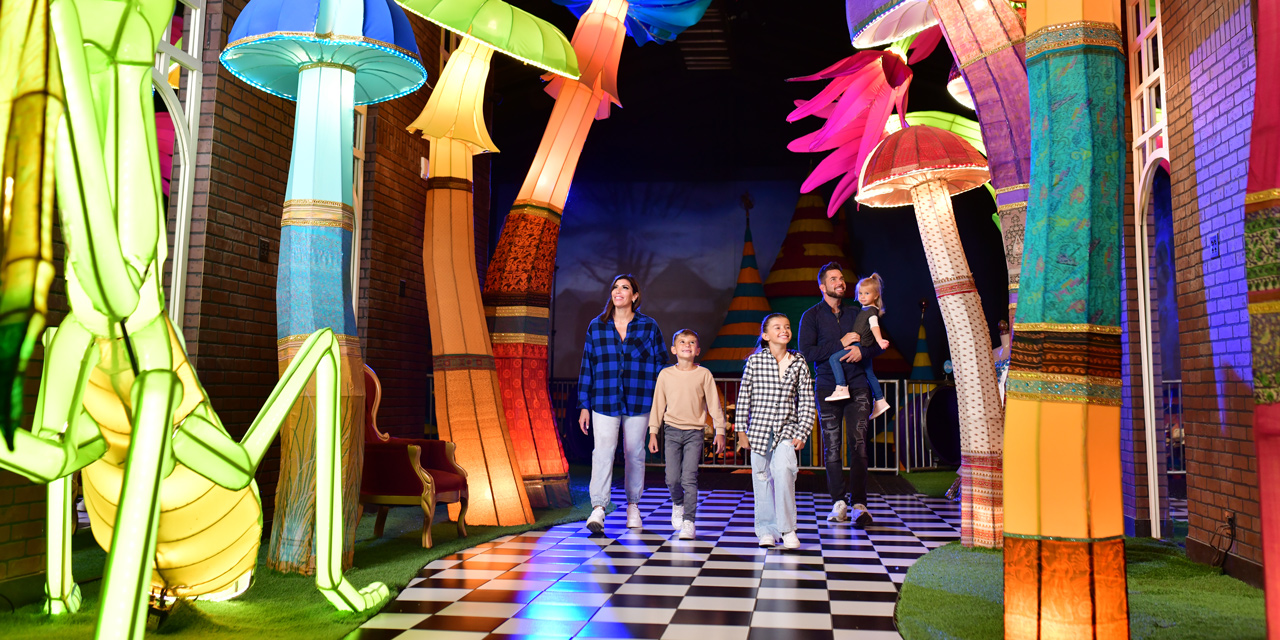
[
  {"x": 741, "y": 328},
  {"x": 792, "y": 285}
]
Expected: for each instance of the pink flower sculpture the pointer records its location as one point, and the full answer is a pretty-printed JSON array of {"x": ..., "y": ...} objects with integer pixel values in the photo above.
[{"x": 865, "y": 89}]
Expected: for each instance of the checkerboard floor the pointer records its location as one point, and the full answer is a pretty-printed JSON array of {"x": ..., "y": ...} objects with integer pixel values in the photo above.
[{"x": 561, "y": 583}]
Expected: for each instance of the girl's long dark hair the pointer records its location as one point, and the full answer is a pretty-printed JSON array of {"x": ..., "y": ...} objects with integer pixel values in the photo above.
[
  {"x": 761, "y": 345},
  {"x": 607, "y": 314}
]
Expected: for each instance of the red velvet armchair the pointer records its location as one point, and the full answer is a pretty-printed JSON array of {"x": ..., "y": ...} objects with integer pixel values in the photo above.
[{"x": 407, "y": 471}]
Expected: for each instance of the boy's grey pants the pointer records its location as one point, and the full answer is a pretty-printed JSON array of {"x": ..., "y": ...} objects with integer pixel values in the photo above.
[{"x": 684, "y": 452}]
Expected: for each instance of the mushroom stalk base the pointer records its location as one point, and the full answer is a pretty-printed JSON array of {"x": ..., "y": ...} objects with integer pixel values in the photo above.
[
  {"x": 981, "y": 413},
  {"x": 468, "y": 398},
  {"x": 313, "y": 292}
]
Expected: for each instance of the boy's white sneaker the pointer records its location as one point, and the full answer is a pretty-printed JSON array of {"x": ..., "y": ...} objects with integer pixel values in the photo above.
[
  {"x": 839, "y": 512},
  {"x": 864, "y": 516},
  {"x": 595, "y": 523},
  {"x": 677, "y": 515},
  {"x": 880, "y": 407},
  {"x": 686, "y": 530},
  {"x": 633, "y": 517},
  {"x": 766, "y": 540},
  {"x": 841, "y": 393},
  {"x": 790, "y": 540}
]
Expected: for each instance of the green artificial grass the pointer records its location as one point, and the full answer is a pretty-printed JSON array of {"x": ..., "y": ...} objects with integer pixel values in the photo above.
[
  {"x": 953, "y": 592},
  {"x": 282, "y": 605},
  {"x": 931, "y": 483}
]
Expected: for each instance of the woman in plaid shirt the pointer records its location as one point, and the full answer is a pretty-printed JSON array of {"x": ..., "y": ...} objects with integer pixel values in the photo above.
[
  {"x": 620, "y": 361},
  {"x": 774, "y": 400}
]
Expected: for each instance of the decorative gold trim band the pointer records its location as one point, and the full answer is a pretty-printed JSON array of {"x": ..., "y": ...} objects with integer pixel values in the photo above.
[
  {"x": 326, "y": 65},
  {"x": 954, "y": 286},
  {"x": 1262, "y": 196},
  {"x": 539, "y": 205},
  {"x": 318, "y": 213},
  {"x": 1066, "y": 328},
  {"x": 1270, "y": 306},
  {"x": 462, "y": 362},
  {"x": 450, "y": 182},
  {"x": 537, "y": 210},
  {"x": 519, "y": 338},
  {"x": 1015, "y": 187},
  {"x": 517, "y": 312},
  {"x": 1062, "y": 378},
  {"x": 982, "y": 56},
  {"x": 1011, "y": 206},
  {"x": 1074, "y": 34}
]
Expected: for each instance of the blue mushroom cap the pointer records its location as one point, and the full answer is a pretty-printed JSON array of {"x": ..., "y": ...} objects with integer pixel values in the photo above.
[
  {"x": 652, "y": 20},
  {"x": 272, "y": 39}
]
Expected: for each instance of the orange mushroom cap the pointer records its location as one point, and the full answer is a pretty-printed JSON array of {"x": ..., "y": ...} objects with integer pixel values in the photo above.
[{"x": 913, "y": 156}]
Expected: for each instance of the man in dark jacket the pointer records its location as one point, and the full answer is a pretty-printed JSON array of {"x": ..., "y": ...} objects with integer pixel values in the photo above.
[{"x": 826, "y": 328}]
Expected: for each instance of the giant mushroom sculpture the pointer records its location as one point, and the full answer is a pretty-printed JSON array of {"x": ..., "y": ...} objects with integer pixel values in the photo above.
[
  {"x": 924, "y": 166},
  {"x": 496, "y": 453},
  {"x": 328, "y": 55}
]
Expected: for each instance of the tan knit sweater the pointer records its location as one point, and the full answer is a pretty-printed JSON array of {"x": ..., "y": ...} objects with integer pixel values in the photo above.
[{"x": 684, "y": 399}]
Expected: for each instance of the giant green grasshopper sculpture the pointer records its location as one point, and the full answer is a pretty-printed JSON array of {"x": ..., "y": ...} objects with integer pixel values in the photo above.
[{"x": 170, "y": 493}]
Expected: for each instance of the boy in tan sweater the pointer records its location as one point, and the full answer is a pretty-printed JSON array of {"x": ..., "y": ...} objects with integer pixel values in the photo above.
[{"x": 682, "y": 399}]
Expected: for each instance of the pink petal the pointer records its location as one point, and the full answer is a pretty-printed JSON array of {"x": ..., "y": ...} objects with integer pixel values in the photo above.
[{"x": 925, "y": 43}]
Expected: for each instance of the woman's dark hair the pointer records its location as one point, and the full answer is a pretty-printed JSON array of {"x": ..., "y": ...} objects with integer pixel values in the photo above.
[
  {"x": 761, "y": 345},
  {"x": 607, "y": 314}
]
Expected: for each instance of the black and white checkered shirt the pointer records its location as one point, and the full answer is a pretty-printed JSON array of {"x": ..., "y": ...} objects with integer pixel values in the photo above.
[{"x": 773, "y": 405}]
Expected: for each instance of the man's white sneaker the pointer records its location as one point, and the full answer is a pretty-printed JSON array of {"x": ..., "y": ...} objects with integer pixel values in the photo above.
[
  {"x": 880, "y": 407},
  {"x": 633, "y": 517},
  {"x": 862, "y": 517},
  {"x": 766, "y": 540},
  {"x": 841, "y": 393},
  {"x": 677, "y": 515},
  {"x": 790, "y": 540},
  {"x": 839, "y": 512},
  {"x": 686, "y": 530},
  {"x": 595, "y": 523}
]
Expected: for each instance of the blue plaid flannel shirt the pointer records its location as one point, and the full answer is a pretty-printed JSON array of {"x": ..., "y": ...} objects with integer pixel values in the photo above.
[{"x": 618, "y": 376}]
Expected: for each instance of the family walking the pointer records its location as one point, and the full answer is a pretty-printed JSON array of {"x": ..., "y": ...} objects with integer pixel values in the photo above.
[{"x": 625, "y": 387}]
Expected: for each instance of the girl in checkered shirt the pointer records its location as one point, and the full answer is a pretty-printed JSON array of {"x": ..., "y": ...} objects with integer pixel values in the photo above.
[{"x": 775, "y": 402}]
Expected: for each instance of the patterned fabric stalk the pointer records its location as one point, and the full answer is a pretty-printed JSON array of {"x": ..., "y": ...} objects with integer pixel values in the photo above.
[
  {"x": 468, "y": 411},
  {"x": 1064, "y": 564},
  {"x": 517, "y": 307},
  {"x": 987, "y": 38},
  {"x": 517, "y": 291},
  {"x": 981, "y": 414},
  {"x": 1262, "y": 267},
  {"x": 313, "y": 291}
]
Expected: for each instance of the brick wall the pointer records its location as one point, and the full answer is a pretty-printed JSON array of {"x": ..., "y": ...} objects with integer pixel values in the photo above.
[
  {"x": 1210, "y": 59},
  {"x": 393, "y": 326}
]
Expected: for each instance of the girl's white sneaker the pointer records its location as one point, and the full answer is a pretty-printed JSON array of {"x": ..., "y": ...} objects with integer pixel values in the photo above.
[
  {"x": 595, "y": 523},
  {"x": 766, "y": 540},
  {"x": 790, "y": 540},
  {"x": 633, "y": 517}
]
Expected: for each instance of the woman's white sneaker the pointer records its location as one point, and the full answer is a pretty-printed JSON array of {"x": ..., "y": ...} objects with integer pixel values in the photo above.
[
  {"x": 595, "y": 523},
  {"x": 633, "y": 517}
]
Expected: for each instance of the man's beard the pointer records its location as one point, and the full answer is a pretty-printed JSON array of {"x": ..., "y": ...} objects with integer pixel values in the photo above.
[{"x": 831, "y": 293}]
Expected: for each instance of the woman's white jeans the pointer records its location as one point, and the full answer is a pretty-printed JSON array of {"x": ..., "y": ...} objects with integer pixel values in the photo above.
[
  {"x": 773, "y": 477},
  {"x": 635, "y": 431}
]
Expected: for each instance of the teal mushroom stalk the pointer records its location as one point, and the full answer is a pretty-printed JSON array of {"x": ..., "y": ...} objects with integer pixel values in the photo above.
[{"x": 329, "y": 56}]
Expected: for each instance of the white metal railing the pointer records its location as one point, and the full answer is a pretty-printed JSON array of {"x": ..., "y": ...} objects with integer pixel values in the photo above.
[
  {"x": 895, "y": 441},
  {"x": 1171, "y": 421},
  {"x": 185, "y": 114}
]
